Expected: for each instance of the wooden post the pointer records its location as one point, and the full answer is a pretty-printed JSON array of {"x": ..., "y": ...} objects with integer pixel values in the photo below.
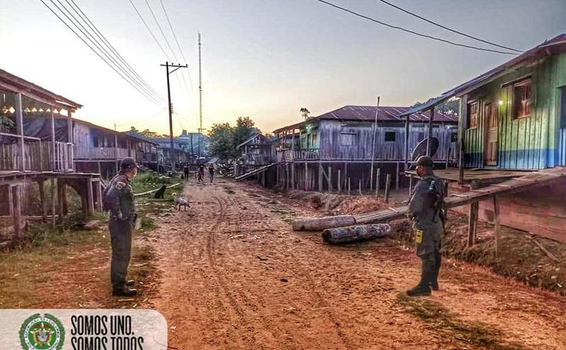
[
  {"x": 293, "y": 175},
  {"x": 41, "y": 185},
  {"x": 377, "y": 178},
  {"x": 53, "y": 142},
  {"x": 53, "y": 201},
  {"x": 472, "y": 223},
  {"x": 329, "y": 179},
  {"x": 407, "y": 132},
  {"x": 320, "y": 177},
  {"x": 90, "y": 197},
  {"x": 339, "y": 182},
  {"x": 71, "y": 157},
  {"x": 429, "y": 142},
  {"x": 17, "y": 203},
  {"x": 360, "y": 187},
  {"x": 349, "y": 186},
  {"x": 64, "y": 203},
  {"x": 461, "y": 130},
  {"x": 10, "y": 200},
  {"x": 387, "y": 187},
  {"x": 345, "y": 174},
  {"x": 497, "y": 225},
  {"x": 306, "y": 176},
  {"x": 411, "y": 186},
  {"x": 20, "y": 130},
  {"x": 397, "y": 177}
]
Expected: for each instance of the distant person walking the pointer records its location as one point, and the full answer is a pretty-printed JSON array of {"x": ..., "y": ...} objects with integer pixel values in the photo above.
[
  {"x": 211, "y": 172},
  {"x": 186, "y": 171},
  {"x": 200, "y": 173}
]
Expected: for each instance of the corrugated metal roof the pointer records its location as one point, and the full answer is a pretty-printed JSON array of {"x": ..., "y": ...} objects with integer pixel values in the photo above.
[
  {"x": 386, "y": 113},
  {"x": 367, "y": 113},
  {"x": 556, "y": 44}
]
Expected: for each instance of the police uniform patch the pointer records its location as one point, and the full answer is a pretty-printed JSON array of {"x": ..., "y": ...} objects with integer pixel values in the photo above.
[{"x": 120, "y": 185}]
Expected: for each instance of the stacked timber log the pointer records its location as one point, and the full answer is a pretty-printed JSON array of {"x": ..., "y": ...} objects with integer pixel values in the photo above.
[
  {"x": 343, "y": 235},
  {"x": 318, "y": 224}
]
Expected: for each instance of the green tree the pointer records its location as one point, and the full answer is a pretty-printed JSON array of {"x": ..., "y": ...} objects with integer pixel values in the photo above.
[
  {"x": 304, "y": 113},
  {"x": 221, "y": 142},
  {"x": 244, "y": 129}
]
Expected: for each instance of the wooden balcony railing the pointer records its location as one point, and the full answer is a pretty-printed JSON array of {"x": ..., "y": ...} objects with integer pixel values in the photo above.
[
  {"x": 38, "y": 155},
  {"x": 289, "y": 155}
]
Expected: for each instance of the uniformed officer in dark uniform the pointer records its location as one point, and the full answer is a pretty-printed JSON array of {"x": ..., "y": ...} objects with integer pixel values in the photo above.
[
  {"x": 428, "y": 226},
  {"x": 122, "y": 217}
]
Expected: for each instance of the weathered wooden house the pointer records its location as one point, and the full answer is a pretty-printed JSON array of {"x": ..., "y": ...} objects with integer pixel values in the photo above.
[
  {"x": 350, "y": 146},
  {"x": 29, "y": 163},
  {"x": 101, "y": 150},
  {"x": 257, "y": 151},
  {"x": 512, "y": 120}
]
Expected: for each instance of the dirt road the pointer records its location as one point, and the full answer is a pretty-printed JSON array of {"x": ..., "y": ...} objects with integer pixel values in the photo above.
[{"x": 234, "y": 276}]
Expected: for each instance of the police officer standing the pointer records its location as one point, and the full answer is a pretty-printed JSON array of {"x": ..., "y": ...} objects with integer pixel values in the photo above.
[
  {"x": 122, "y": 217},
  {"x": 427, "y": 214}
]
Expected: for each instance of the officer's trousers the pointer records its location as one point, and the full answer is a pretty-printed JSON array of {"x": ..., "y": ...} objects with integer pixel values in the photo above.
[
  {"x": 431, "y": 261},
  {"x": 121, "y": 241}
]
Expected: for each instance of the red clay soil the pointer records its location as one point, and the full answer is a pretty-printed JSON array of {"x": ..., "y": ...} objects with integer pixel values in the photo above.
[{"x": 234, "y": 276}]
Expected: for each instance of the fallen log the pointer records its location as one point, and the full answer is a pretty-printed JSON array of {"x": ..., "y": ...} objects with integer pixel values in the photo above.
[
  {"x": 319, "y": 224},
  {"x": 343, "y": 235}
]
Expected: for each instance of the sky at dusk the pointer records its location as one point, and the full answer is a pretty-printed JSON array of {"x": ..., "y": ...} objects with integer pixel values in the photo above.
[{"x": 265, "y": 58}]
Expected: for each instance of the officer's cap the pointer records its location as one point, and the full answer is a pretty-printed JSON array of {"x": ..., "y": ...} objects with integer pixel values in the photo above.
[
  {"x": 425, "y": 161},
  {"x": 128, "y": 163}
]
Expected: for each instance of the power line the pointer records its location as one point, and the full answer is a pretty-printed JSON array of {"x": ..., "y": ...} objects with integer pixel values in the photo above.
[
  {"x": 161, "y": 30},
  {"x": 101, "y": 36},
  {"x": 105, "y": 52},
  {"x": 155, "y": 38},
  {"x": 150, "y": 31},
  {"x": 177, "y": 41},
  {"x": 447, "y": 28},
  {"x": 95, "y": 51},
  {"x": 413, "y": 32}
]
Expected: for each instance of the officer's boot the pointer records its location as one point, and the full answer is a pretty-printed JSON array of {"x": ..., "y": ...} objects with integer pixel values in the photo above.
[
  {"x": 423, "y": 288},
  {"x": 123, "y": 291}
]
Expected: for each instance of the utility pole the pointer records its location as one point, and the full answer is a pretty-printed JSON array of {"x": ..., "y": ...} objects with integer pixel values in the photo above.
[
  {"x": 373, "y": 146},
  {"x": 200, "y": 94},
  {"x": 168, "y": 65}
]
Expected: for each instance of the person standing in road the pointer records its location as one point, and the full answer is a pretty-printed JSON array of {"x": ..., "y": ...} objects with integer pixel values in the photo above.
[
  {"x": 186, "y": 172},
  {"x": 200, "y": 173},
  {"x": 211, "y": 172},
  {"x": 425, "y": 207},
  {"x": 119, "y": 202}
]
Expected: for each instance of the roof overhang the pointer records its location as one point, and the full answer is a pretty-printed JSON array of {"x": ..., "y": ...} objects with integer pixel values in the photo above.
[{"x": 14, "y": 84}]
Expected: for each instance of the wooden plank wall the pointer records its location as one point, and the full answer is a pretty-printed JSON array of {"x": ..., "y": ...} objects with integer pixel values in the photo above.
[
  {"x": 526, "y": 143},
  {"x": 353, "y": 140}
]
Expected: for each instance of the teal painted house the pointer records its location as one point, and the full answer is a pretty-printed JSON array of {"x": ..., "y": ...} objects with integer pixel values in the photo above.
[{"x": 514, "y": 116}]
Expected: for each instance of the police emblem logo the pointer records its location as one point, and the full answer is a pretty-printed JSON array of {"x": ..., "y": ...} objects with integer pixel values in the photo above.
[{"x": 42, "y": 333}]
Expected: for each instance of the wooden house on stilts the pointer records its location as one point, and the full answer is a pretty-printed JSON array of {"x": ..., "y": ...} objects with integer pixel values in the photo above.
[
  {"x": 357, "y": 148},
  {"x": 40, "y": 165}
]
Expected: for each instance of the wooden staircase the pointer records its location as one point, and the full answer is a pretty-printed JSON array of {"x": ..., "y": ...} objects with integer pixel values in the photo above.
[{"x": 256, "y": 171}]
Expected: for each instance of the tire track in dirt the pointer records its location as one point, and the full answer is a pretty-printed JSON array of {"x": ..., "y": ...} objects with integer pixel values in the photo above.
[{"x": 303, "y": 271}]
